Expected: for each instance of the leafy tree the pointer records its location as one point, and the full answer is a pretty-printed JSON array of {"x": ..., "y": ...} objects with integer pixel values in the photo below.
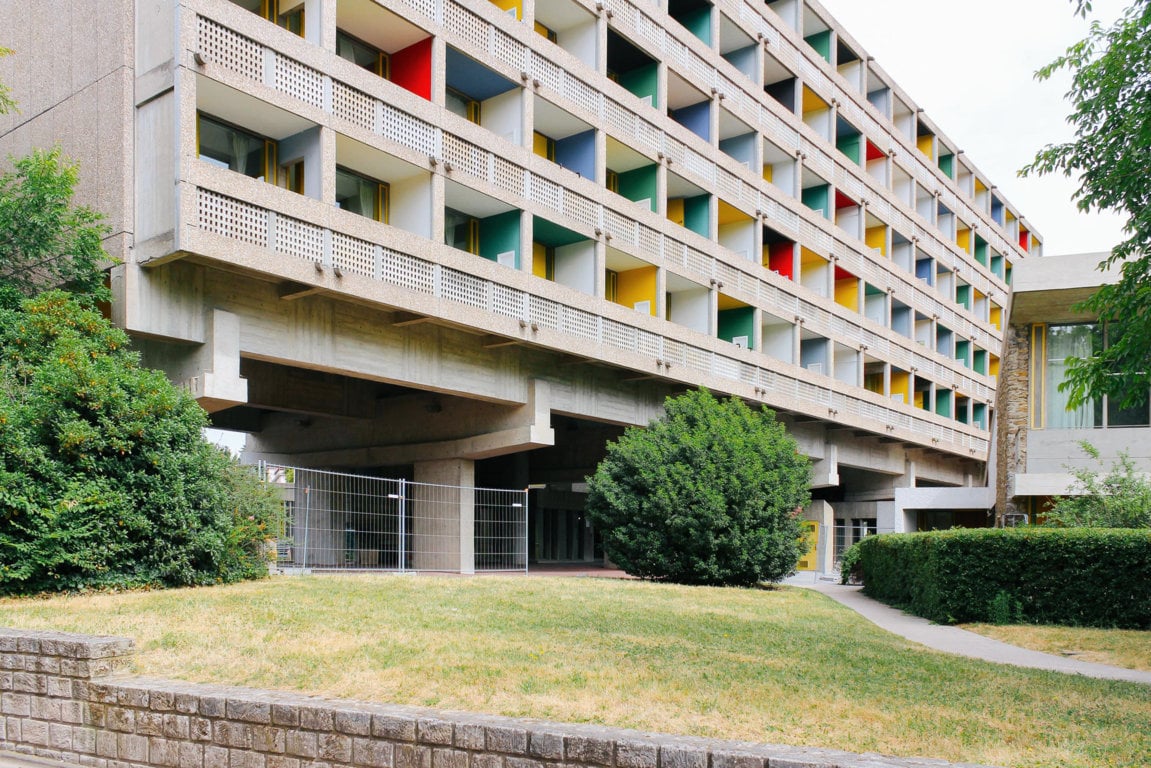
[
  {"x": 1110, "y": 154},
  {"x": 1119, "y": 499},
  {"x": 708, "y": 494},
  {"x": 45, "y": 240},
  {"x": 105, "y": 478}
]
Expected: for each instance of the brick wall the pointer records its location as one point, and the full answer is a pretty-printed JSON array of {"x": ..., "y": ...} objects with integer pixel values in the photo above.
[
  {"x": 1013, "y": 411},
  {"x": 68, "y": 697}
]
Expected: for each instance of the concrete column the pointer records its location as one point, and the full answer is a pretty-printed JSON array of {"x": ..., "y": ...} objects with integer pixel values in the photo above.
[{"x": 443, "y": 520}]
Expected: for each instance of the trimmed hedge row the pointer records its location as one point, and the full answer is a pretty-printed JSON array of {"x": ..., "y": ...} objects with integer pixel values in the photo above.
[{"x": 1075, "y": 576}]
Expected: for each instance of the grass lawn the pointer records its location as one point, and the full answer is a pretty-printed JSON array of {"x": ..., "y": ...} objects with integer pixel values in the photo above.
[
  {"x": 1128, "y": 648},
  {"x": 786, "y": 666}
]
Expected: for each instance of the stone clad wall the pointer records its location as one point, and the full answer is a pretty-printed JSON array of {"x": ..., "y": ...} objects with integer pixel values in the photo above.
[
  {"x": 1013, "y": 413},
  {"x": 68, "y": 697}
]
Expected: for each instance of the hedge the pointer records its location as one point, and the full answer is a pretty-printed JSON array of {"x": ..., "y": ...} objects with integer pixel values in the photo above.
[{"x": 1075, "y": 576}]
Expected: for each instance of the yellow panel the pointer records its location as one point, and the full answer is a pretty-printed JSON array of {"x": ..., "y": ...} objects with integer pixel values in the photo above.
[
  {"x": 539, "y": 260},
  {"x": 993, "y": 365},
  {"x": 900, "y": 383},
  {"x": 809, "y": 561},
  {"x": 1010, "y": 217},
  {"x": 812, "y": 102},
  {"x": 873, "y": 382},
  {"x": 541, "y": 145},
  {"x": 727, "y": 302},
  {"x": 963, "y": 239},
  {"x": 980, "y": 186},
  {"x": 636, "y": 285},
  {"x": 926, "y": 146},
  {"x": 509, "y": 6},
  {"x": 876, "y": 237},
  {"x": 729, "y": 214},
  {"x": 847, "y": 293},
  {"x": 996, "y": 316},
  {"x": 807, "y": 256},
  {"x": 767, "y": 172},
  {"x": 675, "y": 210}
]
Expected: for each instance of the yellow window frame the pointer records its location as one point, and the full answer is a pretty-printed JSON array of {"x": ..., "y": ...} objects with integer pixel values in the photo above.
[
  {"x": 611, "y": 285},
  {"x": 1038, "y": 376},
  {"x": 612, "y": 181}
]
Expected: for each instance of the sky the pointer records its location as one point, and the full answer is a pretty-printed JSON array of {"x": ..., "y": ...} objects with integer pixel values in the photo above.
[{"x": 970, "y": 65}]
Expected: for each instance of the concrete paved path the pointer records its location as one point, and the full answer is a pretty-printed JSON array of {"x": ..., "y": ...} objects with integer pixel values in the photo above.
[{"x": 960, "y": 641}]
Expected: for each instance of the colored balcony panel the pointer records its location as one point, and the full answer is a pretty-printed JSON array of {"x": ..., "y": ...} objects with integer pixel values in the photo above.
[
  {"x": 848, "y": 215},
  {"x": 1024, "y": 239},
  {"x": 500, "y": 238},
  {"x": 816, "y": 33},
  {"x": 995, "y": 316},
  {"x": 688, "y": 205},
  {"x": 411, "y": 68},
  {"x": 963, "y": 409},
  {"x": 402, "y": 195},
  {"x": 979, "y": 415},
  {"x": 735, "y": 322},
  {"x": 946, "y": 164},
  {"x": 695, "y": 117},
  {"x": 744, "y": 59},
  {"x": 943, "y": 402},
  {"x": 963, "y": 352},
  {"x": 963, "y": 295},
  {"x": 981, "y": 250},
  {"x": 900, "y": 385},
  {"x": 925, "y": 140},
  {"x": 997, "y": 211},
  {"x": 944, "y": 341},
  {"x": 571, "y": 27},
  {"x": 740, "y": 148},
  {"x": 386, "y": 44},
  {"x": 564, "y": 139},
  {"x": 513, "y": 8},
  {"x": 568, "y": 257},
  {"x": 878, "y": 92},
  {"x": 736, "y": 231},
  {"x": 820, "y": 42},
  {"x": 694, "y": 15},
  {"x": 901, "y": 318},
  {"x": 639, "y": 185},
  {"x": 877, "y": 163},
  {"x": 817, "y": 197},
  {"x": 631, "y": 174},
  {"x": 979, "y": 304},
  {"x": 875, "y": 235},
  {"x": 997, "y": 266},
  {"x": 481, "y": 225},
  {"x": 922, "y": 394},
  {"x": 632, "y": 68},
  {"x": 631, "y": 282},
  {"x": 979, "y": 361},
  {"x": 779, "y": 253},
  {"x": 963, "y": 239},
  {"x": 815, "y": 353},
  {"x": 483, "y": 96},
  {"x": 846, "y": 289},
  {"x": 849, "y": 141},
  {"x": 873, "y": 376}
]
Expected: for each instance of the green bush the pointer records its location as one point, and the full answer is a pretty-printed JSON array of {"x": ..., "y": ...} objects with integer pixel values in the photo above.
[
  {"x": 708, "y": 494},
  {"x": 105, "y": 478},
  {"x": 1079, "y": 577}
]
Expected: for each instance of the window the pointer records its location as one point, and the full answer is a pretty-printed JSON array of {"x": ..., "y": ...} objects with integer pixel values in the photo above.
[
  {"x": 362, "y": 195},
  {"x": 548, "y": 33},
  {"x": 361, "y": 54},
  {"x": 461, "y": 231},
  {"x": 612, "y": 181},
  {"x": 291, "y": 176},
  {"x": 1051, "y": 345},
  {"x": 544, "y": 146},
  {"x": 282, "y": 13},
  {"x": 611, "y": 285},
  {"x": 227, "y": 146},
  {"x": 463, "y": 105}
]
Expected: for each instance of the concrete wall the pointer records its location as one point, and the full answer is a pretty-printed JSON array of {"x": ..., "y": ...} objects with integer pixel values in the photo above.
[{"x": 60, "y": 700}]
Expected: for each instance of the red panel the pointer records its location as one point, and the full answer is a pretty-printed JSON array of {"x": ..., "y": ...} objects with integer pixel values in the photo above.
[
  {"x": 843, "y": 274},
  {"x": 1023, "y": 234},
  {"x": 874, "y": 152},
  {"x": 843, "y": 201},
  {"x": 411, "y": 68},
  {"x": 780, "y": 259}
]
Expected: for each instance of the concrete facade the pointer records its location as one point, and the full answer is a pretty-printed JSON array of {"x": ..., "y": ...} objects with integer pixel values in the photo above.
[{"x": 589, "y": 207}]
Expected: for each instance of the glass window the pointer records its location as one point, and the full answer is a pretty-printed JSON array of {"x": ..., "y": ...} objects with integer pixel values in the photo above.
[
  {"x": 1062, "y": 342},
  {"x": 463, "y": 105},
  {"x": 461, "y": 231},
  {"x": 361, "y": 54},
  {"x": 233, "y": 148},
  {"x": 361, "y": 195}
]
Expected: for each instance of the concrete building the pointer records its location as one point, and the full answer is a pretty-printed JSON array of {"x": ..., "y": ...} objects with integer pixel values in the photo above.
[
  {"x": 466, "y": 242},
  {"x": 1039, "y": 436}
]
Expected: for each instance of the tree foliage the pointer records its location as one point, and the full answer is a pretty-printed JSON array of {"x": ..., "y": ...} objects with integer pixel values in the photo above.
[
  {"x": 1121, "y": 498},
  {"x": 1110, "y": 154},
  {"x": 708, "y": 494},
  {"x": 105, "y": 478},
  {"x": 45, "y": 240}
]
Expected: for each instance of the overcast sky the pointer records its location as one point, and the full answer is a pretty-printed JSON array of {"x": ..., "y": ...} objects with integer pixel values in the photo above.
[{"x": 970, "y": 66}]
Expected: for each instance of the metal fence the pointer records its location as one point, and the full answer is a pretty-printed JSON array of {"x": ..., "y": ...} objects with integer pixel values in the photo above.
[{"x": 336, "y": 521}]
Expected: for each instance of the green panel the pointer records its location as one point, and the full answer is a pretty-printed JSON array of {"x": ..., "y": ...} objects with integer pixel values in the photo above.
[
  {"x": 943, "y": 402},
  {"x": 947, "y": 165},
  {"x": 980, "y": 415},
  {"x": 963, "y": 295},
  {"x": 980, "y": 364},
  {"x": 698, "y": 22},
  {"x": 818, "y": 199},
  {"x": 642, "y": 81},
  {"x": 997, "y": 266},
  {"x": 639, "y": 184},
  {"x": 499, "y": 234},
  {"x": 963, "y": 352},
  {"x": 821, "y": 42},
  {"x": 553, "y": 235},
  {"x": 981, "y": 250},
  {"x": 852, "y": 146},
  {"x": 739, "y": 321},
  {"x": 696, "y": 213}
]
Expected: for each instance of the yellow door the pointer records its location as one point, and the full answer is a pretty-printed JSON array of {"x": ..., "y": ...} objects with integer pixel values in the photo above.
[{"x": 811, "y": 539}]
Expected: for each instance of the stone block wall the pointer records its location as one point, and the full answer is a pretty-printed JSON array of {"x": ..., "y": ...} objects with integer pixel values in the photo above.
[
  {"x": 1013, "y": 414},
  {"x": 68, "y": 697}
]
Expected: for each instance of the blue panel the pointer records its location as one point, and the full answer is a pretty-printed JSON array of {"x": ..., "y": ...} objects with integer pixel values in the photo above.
[
  {"x": 696, "y": 118},
  {"x": 473, "y": 79},
  {"x": 742, "y": 147},
  {"x": 577, "y": 153},
  {"x": 743, "y": 59}
]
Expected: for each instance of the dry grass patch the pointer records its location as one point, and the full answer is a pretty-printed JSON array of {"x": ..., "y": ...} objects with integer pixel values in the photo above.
[
  {"x": 785, "y": 666},
  {"x": 1129, "y": 648}
]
